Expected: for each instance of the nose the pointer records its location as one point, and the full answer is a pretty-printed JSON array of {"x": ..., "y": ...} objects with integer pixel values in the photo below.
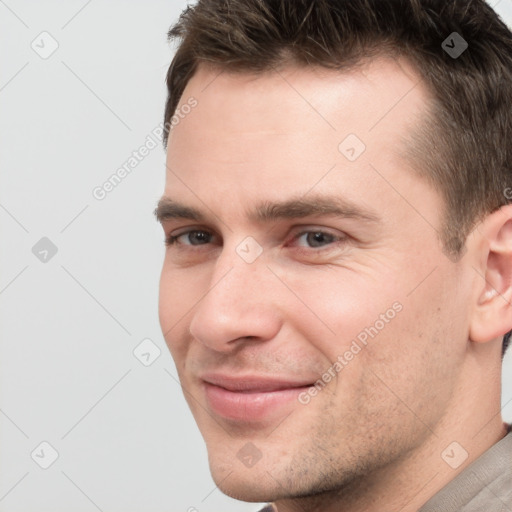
[{"x": 240, "y": 303}]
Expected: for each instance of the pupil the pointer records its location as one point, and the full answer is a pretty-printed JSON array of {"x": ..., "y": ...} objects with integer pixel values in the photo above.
[
  {"x": 318, "y": 238},
  {"x": 199, "y": 236}
]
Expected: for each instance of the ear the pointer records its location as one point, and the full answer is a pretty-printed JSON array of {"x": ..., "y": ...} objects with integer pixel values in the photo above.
[{"x": 492, "y": 314}]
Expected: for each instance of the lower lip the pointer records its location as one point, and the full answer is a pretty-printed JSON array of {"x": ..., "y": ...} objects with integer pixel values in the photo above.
[{"x": 250, "y": 407}]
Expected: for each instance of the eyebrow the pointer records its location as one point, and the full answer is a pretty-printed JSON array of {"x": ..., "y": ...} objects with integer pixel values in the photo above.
[{"x": 268, "y": 211}]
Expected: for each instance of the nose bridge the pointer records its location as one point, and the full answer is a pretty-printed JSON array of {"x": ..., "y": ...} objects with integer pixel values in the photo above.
[
  {"x": 238, "y": 302},
  {"x": 240, "y": 273}
]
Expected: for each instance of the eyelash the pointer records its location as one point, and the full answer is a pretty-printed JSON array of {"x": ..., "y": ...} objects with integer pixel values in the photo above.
[{"x": 172, "y": 240}]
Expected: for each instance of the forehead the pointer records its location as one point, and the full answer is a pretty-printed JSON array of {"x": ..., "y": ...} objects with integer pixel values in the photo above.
[
  {"x": 369, "y": 89},
  {"x": 261, "y": 134}
]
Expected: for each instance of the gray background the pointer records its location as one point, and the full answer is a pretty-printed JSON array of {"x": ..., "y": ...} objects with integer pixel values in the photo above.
[{"x": 125, "y": 438}]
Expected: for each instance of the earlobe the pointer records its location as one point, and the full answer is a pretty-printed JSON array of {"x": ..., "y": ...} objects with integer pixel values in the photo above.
[{"x": 492, "y": 314}]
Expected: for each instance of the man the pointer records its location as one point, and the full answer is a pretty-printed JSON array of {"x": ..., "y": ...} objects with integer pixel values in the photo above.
[{"x": 337, "y": 284}]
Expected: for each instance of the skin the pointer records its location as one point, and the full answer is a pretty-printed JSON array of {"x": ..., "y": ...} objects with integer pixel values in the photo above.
[{"x": 372, "y": 439}]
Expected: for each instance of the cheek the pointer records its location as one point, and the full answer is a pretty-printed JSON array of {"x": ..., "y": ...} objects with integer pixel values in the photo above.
[
  {"x": 415, "y": 349},
  {"x": 345, "y": 306},
  {"x": 177, "y": 296}
]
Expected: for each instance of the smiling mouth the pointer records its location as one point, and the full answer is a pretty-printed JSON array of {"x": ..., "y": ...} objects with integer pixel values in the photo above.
[{"x": 251, "y": 399}]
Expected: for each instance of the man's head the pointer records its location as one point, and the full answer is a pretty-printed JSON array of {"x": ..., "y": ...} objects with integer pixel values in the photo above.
[
  {"x": 342, "y": 229},
  {"x": 471, "y": 96}
]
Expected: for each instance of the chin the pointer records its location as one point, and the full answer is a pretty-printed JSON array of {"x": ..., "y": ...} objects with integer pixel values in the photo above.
[
  {"x": 252, "y": 485},
  {"x": 247, "y": 491}
]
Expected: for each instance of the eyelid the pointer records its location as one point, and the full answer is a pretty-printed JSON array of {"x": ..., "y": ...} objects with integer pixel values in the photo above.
[{"x": 301, "y": 230}]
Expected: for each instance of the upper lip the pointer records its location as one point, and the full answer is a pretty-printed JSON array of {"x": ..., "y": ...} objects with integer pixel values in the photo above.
[{"x": 252, "y": 382}]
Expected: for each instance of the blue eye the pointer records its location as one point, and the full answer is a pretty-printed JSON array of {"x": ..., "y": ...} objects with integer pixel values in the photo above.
[
  {"x": 198, "y": 235},
  {"x": 316, "y": 238}
]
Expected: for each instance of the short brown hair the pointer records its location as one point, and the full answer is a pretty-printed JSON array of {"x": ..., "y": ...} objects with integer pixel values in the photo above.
[{"x": 464, "y": 145}]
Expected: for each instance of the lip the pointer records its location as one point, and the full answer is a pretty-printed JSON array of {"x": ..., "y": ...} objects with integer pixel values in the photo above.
[{"x": 251, "y": 398}]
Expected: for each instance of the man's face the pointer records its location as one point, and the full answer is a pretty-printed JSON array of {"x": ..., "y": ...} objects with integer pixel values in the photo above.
[{"x": 257, "y": 308}]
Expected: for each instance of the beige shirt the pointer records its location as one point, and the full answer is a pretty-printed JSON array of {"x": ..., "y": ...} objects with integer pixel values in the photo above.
[{"x": 484, "y": 486}]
